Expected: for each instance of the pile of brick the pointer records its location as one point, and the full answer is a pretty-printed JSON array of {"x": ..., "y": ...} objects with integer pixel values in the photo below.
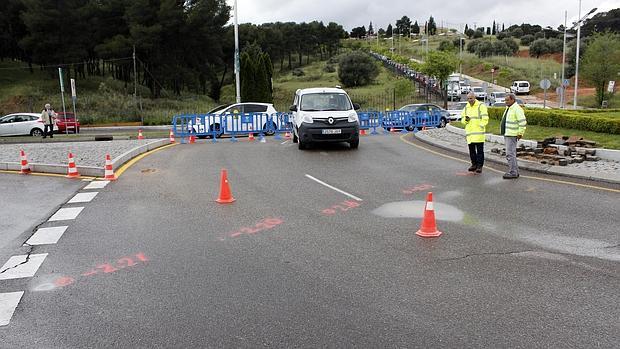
[{"x": 559, "y": 151}]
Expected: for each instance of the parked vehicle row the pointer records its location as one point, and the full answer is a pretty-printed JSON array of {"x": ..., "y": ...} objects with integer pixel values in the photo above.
[{"x": 19, "y": 124}]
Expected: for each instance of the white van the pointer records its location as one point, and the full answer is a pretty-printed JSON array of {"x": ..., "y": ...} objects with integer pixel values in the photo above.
[
  {"x": 324, "y": 114},
  {"x": 520, "y": 87}
]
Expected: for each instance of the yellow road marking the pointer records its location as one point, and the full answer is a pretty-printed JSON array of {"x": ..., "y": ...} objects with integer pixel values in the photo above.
[
  {"x": 47, "y": 174},
  {"x": 128, "y": 164},
  {"x": 402, "y": 138}
]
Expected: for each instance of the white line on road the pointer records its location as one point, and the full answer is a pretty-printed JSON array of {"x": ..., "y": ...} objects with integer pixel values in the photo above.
[
  {"x": 97, "y": 185},
  {"x": 17, "y": 267},
  {"x": 66, "y": 213},
  {"x": 334, "y": 188},
  {"x": 286, "y": 141},
  {"x": 46, "y": 236},
  {"x": 83, "y": 197},
  {"x": 8, "y": 303}
]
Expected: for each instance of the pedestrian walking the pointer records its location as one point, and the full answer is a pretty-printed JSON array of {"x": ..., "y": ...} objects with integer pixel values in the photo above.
[
  {"x": 475, "y": 116},
  {"x": 512, "y": 128},
  {"x": 48, "y": 115}
]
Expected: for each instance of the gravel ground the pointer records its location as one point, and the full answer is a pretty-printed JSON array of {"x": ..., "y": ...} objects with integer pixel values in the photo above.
[
  {"x": 458, "y": 140},
  {"x": 84, "y": 153}
]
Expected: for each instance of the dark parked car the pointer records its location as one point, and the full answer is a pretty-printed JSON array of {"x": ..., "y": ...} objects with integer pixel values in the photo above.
[{"x": 430, "y": 109}]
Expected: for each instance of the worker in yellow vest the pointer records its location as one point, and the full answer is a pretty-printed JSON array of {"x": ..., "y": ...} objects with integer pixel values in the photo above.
[
  {"x": 475, "y": 117},
  {"x": 512, "y": 128}
]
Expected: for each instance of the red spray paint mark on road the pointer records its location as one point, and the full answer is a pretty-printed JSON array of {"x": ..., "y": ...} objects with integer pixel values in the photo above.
[
  {"x": 421, "y": 187},
  {"x": 105, "y": 268},
  {"x": 341, "y": 207},
  {"x": 265, "y": 224}
]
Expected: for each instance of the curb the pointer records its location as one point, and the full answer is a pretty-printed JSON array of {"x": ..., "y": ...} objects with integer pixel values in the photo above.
[
  {"x": 523, "y": 164},
  {"x": 87, "y": 171}
]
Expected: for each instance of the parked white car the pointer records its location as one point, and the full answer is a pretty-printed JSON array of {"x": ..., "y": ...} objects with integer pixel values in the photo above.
[
  {"x": 324, "y": 114},
  {"x": 497, "y": 97},
  {"x": 22, "y": 124},
  {"x": 465, "y": 87},
  {"x": 232, "y": 114},
  {"x": 522, "y": 86},
  {"x": 455, "y": 111}
]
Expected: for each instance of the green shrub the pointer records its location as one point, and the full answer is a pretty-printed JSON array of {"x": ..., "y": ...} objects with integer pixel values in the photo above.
[
  {"x": 298, "y": 72},
  {"x": 329, "y": 68}
]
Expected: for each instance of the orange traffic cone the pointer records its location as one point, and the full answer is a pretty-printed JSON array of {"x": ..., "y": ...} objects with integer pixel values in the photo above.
[
  {"x": 192, "y": 139},
  {"x": 72, "y": 171},
  {"x": 109, "y": 172},
  {"x": 362, "y": 132},
  {"x": 171, "y": 136},
  {"x": 392, "y": 129},
  {"x": 140, "y": 136},
  {"x": 428, "y": 229},
  {"x": 225, "y": 194},
  {"x": 25, "y": 167},
  {"x": 251, "y": 137}
]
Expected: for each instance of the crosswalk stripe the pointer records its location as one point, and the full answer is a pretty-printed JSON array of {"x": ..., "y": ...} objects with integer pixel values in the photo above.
[
  {"x": 97, "y": 185},
  {"x": 83, "y": 197},
  {"x": 45, "y": 236},
  {"x": 8, "y": 303},
  {"x": 66, "y": 213}
]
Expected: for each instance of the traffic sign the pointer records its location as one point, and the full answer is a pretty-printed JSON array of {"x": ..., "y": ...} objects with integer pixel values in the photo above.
[
  {"x": 610, "y": 87},
  {"x": 566, "y": 82},
  {"x": 492, "y": 70},
  {"x": 545, "y": 84}
]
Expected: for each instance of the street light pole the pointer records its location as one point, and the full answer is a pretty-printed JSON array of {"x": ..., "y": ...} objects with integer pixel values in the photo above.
[
  {"x": 237, "y": 67},
  {"x": 563, "y": 90},
  {"x": 577, "y": 53}
]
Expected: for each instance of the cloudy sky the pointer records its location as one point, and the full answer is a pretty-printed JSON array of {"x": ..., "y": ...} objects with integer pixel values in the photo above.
[{"x": 454, "y": 14}]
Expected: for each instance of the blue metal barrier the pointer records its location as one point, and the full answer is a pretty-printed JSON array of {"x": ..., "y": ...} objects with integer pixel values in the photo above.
[{"x": 370, "y": 119}]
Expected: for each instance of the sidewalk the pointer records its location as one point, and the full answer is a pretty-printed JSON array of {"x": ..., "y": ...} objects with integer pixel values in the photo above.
[{"x": 453, "y": 139}]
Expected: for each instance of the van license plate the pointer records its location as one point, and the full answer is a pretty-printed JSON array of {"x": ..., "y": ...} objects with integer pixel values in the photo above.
[{"x": 332, "y": 131}]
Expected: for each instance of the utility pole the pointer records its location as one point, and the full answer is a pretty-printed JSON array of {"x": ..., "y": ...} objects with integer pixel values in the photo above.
[
  {"x": 563, "y": 88},
  {"x": 135, "y": 85},
  {"x": 237, "y": 67},
  {"x": 577, "y": 57}
]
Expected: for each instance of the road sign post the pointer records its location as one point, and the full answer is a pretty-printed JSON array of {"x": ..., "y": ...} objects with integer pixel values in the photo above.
[
  {"x": 74, "y": 99},
  {"x": 545, "y": 84},
  {"x": 62, "y": 94}
]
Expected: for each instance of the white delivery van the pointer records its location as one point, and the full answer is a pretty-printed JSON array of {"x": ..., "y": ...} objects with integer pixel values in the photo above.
[
  {"x": 520, "y": 87},
  {"x": 324, "y": 114}
]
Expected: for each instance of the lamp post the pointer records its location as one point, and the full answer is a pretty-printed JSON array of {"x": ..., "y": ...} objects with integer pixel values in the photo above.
[
  {"x": 237, "y": 67},
  {"x": 577, "y": 53},
  {"x": 563, "y": 60}
]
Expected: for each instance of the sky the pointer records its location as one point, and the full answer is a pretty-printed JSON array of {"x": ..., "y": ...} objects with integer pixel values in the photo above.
[{"x": 453, "y": 14}]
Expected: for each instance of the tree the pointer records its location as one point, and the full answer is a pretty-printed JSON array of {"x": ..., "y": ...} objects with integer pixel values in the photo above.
[
  {"x": 493, "y": 30},
  {"x": 466, "y": 29},
  {"x": 358, "y": 32},
  {"x": 478, "y": 33},
  {"x": 602, "y": 22},
  {"x": 601, "y": 62},
  {"x": 381, "y": 32},
  {"x": 470, "y": 33},
  {"x": 446, "y": 45},
  {"x": 488, "y": 30},
  {"x": 415, "y": 29},
  {"x": 512, "y": 45},
  {"x": 539, "y": 47},
  {"x": 484, "y": 48},
  {"x": 403, "y": 26},
  {"x": 388, "y": 32},
  {"x": 440, "y": 65},
  {"x": 371, "y": 31},
  {"x": 357, "y": 69},
  {"x": 432, "y": 27},
  {"x": 503, "y": 27},
  {"x": 527, "y": 39}
]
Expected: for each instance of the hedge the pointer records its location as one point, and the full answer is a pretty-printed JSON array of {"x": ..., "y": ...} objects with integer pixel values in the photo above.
[{"x": 566, "y": 119}]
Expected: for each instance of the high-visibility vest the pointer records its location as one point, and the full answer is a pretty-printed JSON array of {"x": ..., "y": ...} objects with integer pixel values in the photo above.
[
  {"x": 478, "y": 120},
  {"x": 515, "y": 120}
]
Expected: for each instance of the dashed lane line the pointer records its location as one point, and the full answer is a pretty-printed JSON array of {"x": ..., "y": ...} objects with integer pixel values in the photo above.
[
  {"x": 66, "y": 214},
  {"x": 96, "y": 185},
  {"x": 46, "y": 236},
  {"x": 402, "y": 138},
  {"x": 83, "y": 197},
  {"x": 8, "y": 303},
  {"x": 334, "y": 188},
  {"x": 21, "y": 266}
]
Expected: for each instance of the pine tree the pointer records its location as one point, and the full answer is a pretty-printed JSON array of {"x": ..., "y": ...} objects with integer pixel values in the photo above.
[
  {"x": 371, "y": 31},
  {"x": 493, "y": 31}
]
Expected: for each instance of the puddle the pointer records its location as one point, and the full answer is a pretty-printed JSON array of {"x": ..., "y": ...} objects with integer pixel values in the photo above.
[
  {"x": 415, "y": 209},
  {"x": 576, "y": 246}
]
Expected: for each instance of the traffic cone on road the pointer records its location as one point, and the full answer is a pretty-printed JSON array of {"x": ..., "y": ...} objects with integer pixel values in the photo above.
[
  {"x": 25, "y": 167},
  {"x": 362, "y": 132},
  {"x": 225, "y": 194},
  {"x": 251, "y": 137},
  {"x": 392, "y": 129},
  {"x": 140, "y": 136},
  {"x": 192, "y": 139},
  {"x": 428, "y": 229},
  {"x": 72, "y": 171},
  {"x": 171, "y": 136},
  {"x": 109, "y": 172}
]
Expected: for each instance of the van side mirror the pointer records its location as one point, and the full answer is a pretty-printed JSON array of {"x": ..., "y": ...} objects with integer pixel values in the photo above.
[
  {"x": 356, "y": 106},
  {"x": 293, "y": 108}
]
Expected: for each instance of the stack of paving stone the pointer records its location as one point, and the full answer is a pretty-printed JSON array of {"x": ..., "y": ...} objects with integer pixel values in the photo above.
[{"x": 557, "y": 151}]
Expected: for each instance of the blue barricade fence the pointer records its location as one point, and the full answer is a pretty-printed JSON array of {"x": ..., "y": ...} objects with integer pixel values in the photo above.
[{"x": 214, "y": 125}]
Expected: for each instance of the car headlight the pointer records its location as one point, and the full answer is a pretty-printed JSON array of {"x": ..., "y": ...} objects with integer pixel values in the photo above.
[
  {"x": 307, "y": 119},
  {"x": 353, "y": 117}
]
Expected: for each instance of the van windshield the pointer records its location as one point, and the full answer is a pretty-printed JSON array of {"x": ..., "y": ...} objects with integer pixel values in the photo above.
[
  {"x": 325, "y": 102},
  {"x": 524, "y": 84}
]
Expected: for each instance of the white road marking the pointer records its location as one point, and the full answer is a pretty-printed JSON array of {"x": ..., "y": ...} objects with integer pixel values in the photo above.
[
  {"x": 334, "y": 188},
  {"x": 83, "y": 197},
  {"x": 66, "y": 213},
  {"x": 45, "y": 236},
  {"x": 14, "y": 269},
  {"x": 8, "y": 303},
  {"x": 97, "y": 185},
  {"x": 286, "y": 141}
]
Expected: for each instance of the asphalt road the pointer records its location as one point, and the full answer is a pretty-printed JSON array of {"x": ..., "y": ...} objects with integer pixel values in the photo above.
[{"x": 153, "y": 261}]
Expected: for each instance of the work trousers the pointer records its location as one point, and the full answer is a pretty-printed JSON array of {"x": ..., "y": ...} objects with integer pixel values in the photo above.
[{"x": 476, "y": 154}]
